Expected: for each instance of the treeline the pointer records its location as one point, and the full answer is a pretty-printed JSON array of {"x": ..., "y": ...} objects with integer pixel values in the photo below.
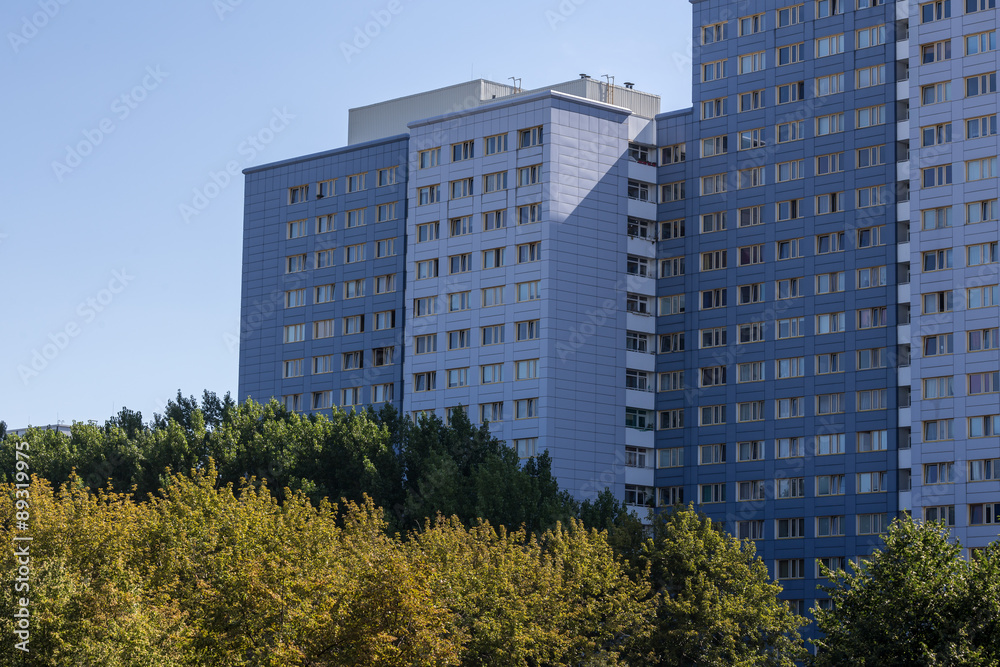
[{"x": 225, "y": 534}]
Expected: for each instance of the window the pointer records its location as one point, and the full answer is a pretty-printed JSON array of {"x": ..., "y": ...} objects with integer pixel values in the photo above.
[
  {"x": 789, "y": 210},
  {"x": 292, "y": 368},
  {"x": 670, "y": 419},
  {"x": 711, "y": 454},
  {"x": 872, "y": 318},
  {"x": 984, "y": 426},
  {"x": 827, "y": 283},
  {"x": 634, "y": 265},
  {"x": 751, "y": 371},
  {"x": 465, "y": 150},
  {"x": 938, "y": 429},
  {"x": 712, "y": 415},
  {"x": 492, "y": 334},
  {"x": 787, "y": 448},
  {"x": 713, "y": 222},
  {"x": 980, "y": 42},
  {"x": 713, "y": 184},
  {"x": 639, "y": 191},
  {"x": 752, "y": 62},
  {"x": 791, "y": 328},
  {"x": 425, "y": 344},
  {"x": 750, "y": 490},
  {"x": 674, "y": 154},
  {"x": 494, "y": 220},
  {"x": 529, "y": 214},
  {"x": 793, "y": 53},
  {"x": 354, "y": 218},
  {"x": 789, "y": 528},
  {"x": 830, "y": 526},
  {"x": 714, "y": 337},
  {"x": 714, "y": 108},
  {"x": 791, "y": 15},
  {"x": 494, "y": 258},
  {"x": 750, "y": 451},
  {"x": 981, "y": 253},
  {"x": 356, "y": 182},
  {"x": 457, "y": 377},
  {"x": 460, "y": 263},
  {"x": 429, "y": 194},
  {"x": 671, "y": 267},
  {"x": 935, "y": 52},
  {"x": 981, "y": 297},
  {"x": 673, "y": 229},
  {"x": 972, "y": 6},
  {"x": 491, "y": 373},
  {"x": 941, "y": 514},
  {"x": 830, "y": 84},
  {"x": 871, "y": 358},
  {"x": 459, "y": 339},
  {"x": 295, "y": 263},
  {"x": 830, "y": 124},
  {"x": 830, "y": 485},
  {"x": 713, "y": 298},
  {"x": 873, "y": 441},
  {"x": 934, "y": 135},
  {"x": 793, "y": 568},
  {"x": 827, "y": 243},
  {"x": 295, "y": 298},
  {"x": 326, "y": 188},
  {"x": 491, "y": 183},
  {"x": 354, "y": 324},
  {"x": 751, "y": 139},
  {"x": 870, "y": 237},
  {"x": 977, "y": 170},
  {"x": 935, "y": 93},
  {"x": 938, "y": 345},
  {"x": 788, "y": 288},
  {"x": 984, "y": 513},
  {"x": 527, "y": 330},
  {"x": 298, "y": 194},
  {"x": 711, "y": 34},
  {"x": 324, "y": 223},
  {"x": 751, "y": 254},
  {"x": 751, "y": 100},
  {"x": 794, "y": 487},
  {"x": 788, "y": 249},
  {"x": 749, "y": 530},
  {"x": 385, "y": 212},
  {"x": 638, "y": 419},
  {"x": 386, "y": 176},
  {"x": 713, "y": 260},
  {"x": 712, "y": 493},
  {"x": 673, "y": 342},
  {"x": 751, "y": 294},
  {"x": 670, "y": 457},
  {"x": 324, "y": 293},
  {"x": 984, "y": 339},
  {"x": 354, "y": 288},
  {"x": 353, "y": 360},
  {"x": 869, "y": 116},
  {"x": 385, "y": 248},
  {"x": 829, "y": 404},
  {"x": 528, "y": 370},
  {"x": 459, "y": 301},
  {"x": 789, "y": 408},
  {"x": 530, "y": 137},
  {"x": 429, "y": 158},
  {"x": 425, "y": 381},
  {"x": 871, "y": 399},
  {"x": 869, "y": 37},
  {"x": 496, "y": 143},
  {"x": 874, "y": 276},
  {"x": 829, "y": 444},
  {"x": 669, "y": 305},
  {"x": 750, "y": 411},
  {"x": 463, "y": 186},
  {"x": 938, "y": 387},
  {"x": 826, "y": 8},
  {"x": 829, "y": 46},
  {"x": 872, "y": 156},
  {"x": 641, "y": 496},
  {"x": 424, "y": 306},
  {"x": 528, "y": 291},
  {"x": 790, "y": 171},
  {"x": 491, "y": 412},
  {"x": 323, "y": 329},
  {"x": 750, "y": 178},
  {"x": 790, "y": 367},
  {"x": 296, "y": 229},
  {"x": 321, "y": 400},
  {"x": 871, "y": 524},
  {"x": 672, "y": 192},
  {"x": 637, "y": 342},
  {"x": 711, "y": 376},
  {"x": 984, "y": 383},
  {"x": 637, "y": 228},
  {"x": 938, "y": 302},
  {"x": 714, "y": 146},
  {"x": 791, "y": 92},
  {"x": 829, "y": 203},
  {"x": 427, "y": 268},
  {"x": 713, "y": 70},
  {"x": 984, "y": 470},
  {"x": 324, "y": 259}
]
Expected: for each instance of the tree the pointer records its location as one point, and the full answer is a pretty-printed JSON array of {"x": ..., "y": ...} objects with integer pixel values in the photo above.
[
  {"x": 625, "y": 532},
  {"x": 916, "y": 601},
  {"x": 716, "y": 604}
]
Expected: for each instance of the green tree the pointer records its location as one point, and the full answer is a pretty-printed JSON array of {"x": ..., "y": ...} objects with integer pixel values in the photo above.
[
  {"x": 916, "y": 601},
  {"x": 716, "y": 604}
]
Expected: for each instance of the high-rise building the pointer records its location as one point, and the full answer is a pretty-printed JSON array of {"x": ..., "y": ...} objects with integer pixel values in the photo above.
[{"x": 780, "y": 304}]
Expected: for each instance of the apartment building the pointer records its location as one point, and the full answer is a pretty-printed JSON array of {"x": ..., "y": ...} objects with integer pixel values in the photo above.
[{"x": 780, "y": 304}]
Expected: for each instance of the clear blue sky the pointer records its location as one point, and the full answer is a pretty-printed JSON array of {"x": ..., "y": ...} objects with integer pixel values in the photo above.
[{"x": 117, "y": 113}]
